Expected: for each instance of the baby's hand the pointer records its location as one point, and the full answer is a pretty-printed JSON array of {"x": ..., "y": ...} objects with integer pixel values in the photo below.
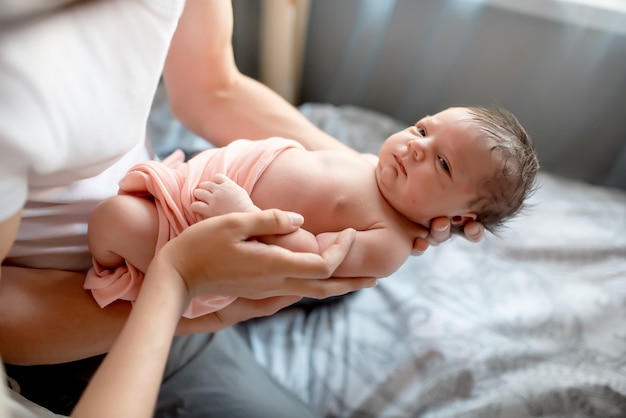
[{"x": 221, "y": 196}]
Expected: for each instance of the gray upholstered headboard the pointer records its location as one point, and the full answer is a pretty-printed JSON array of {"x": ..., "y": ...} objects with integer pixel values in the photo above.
[{"x": 559, "y": 65}]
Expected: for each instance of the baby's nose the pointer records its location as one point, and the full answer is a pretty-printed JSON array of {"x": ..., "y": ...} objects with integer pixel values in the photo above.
[{"x": 416, "y": 149}]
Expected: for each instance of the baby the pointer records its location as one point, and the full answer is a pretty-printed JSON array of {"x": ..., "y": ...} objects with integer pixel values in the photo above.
[{"x": 466, "y": 164}]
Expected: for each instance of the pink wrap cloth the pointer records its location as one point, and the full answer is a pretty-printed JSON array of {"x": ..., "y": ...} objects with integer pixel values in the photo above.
[{"x": 171, "y": 183}]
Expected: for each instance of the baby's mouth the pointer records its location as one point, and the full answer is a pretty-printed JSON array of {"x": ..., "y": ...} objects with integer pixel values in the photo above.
[{"x": 400, "y": 164}]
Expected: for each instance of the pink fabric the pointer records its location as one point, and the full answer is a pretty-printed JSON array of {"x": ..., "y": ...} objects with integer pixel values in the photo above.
[{"x": 172, "y": 183}]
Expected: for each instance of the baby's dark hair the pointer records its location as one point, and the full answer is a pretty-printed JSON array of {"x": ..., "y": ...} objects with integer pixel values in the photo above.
[{"x": 503, "y": 195}]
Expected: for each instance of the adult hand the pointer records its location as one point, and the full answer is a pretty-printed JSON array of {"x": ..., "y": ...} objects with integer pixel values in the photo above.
[
  {"x": 217, "y": 256},
  {"x": 240, "y": 310},
  {"x": 440, "y": 229}
]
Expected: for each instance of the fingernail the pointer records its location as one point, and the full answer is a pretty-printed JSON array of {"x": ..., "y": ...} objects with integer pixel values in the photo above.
[
  {"x": 472, "y": 229},
  {"x": 372, "y": 283},
  {"x": 296, "y": 218},
  {"x": 442, "y": 228}
]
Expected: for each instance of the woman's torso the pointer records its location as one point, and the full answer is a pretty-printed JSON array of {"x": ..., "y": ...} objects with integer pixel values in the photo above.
[{"x": 76, "y": 88}]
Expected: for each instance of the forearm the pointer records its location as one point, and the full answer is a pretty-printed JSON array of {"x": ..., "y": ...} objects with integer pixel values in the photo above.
[
  {"x": 209, "y": 95},
  {"x": 47, "y": 317},
  {"x": 143, "y": 343},
  {"x": 374, "y": 253},
  {"x": 248, "y": 109}
]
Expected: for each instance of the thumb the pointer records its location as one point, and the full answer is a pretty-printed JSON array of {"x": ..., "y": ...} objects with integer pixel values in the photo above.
[{"x": 270, "y": 222}]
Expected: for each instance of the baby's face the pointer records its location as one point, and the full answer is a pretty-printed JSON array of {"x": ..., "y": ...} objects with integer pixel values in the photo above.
[{"x": 434, "y": 168}]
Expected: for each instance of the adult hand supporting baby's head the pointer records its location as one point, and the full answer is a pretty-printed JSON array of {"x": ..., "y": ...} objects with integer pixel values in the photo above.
[{"x": 440, "y": 231}]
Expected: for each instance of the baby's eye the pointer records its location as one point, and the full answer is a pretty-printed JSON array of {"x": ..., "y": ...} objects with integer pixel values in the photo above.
[
  {"x": 444, "y": 164},
  {"x": 421, "y": 130}
]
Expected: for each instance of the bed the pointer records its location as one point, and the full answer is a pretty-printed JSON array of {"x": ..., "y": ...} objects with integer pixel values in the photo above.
[
  {"x": 528, "y": 324},
  {"x": 532, "y": 323}
]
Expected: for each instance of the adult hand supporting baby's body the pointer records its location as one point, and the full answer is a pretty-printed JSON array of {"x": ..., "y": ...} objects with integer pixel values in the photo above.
[{"x": 231, "y": 264}]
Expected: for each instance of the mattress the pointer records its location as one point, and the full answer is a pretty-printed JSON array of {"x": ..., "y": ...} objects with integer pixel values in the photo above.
[{"x": 528, "y": 323}]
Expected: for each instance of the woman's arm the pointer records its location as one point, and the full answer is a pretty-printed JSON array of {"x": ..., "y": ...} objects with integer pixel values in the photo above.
[
  {"x": 47, "y": 317},
  {"x": 128, "y": 381},
  {"x": 209, "y": 95}
]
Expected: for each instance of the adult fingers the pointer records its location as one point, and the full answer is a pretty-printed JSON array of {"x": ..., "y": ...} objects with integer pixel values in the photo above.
[
  {"x": 240, "y": 310},
  {"x": 316, "y": 266},
  {"x": 267, "y": 222},
  {"x": 334, "y": 255},
  {"x": 439, "y": 230},
  {"x": 334, "y": 286},
  {"x": 420, "y": 245},
  {"x": 293, "y": 264},
  {"x": 474, "y": 231}
]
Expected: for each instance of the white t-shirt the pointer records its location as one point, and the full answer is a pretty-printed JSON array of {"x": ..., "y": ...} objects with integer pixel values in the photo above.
[
  {"x": 14, "y": 405},
  {"x": 76, "y": 86}
]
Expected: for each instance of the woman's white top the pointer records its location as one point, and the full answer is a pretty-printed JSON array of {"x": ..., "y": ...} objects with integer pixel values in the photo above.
[{"x": 76, "y": 86}]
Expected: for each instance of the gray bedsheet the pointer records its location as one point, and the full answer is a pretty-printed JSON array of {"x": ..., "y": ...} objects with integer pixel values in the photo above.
[{"x": 530, "y": 324}]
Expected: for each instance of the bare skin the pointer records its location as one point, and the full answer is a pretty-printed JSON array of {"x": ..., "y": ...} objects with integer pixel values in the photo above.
[
  {"x": 419, "y": 177},
  {"x": 173, "y": 278},
  {"x": 45, "y": 315},
  {"x": 218, "y": 106}
]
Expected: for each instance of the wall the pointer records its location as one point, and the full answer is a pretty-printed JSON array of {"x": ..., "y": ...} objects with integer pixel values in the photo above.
[{"x": 561, "y": 70}]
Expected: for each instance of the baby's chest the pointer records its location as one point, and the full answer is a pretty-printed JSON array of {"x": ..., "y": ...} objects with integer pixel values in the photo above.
[{"x": 357, "y": 206}]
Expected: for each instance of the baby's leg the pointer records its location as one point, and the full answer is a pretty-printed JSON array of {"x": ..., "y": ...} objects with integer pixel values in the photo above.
[
  {"x": 221, "y": 196},
  {"x": 124, "y": 228}
]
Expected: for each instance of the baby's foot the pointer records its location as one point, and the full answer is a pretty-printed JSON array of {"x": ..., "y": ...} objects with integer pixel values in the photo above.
[{"x": 221, "y": 196}]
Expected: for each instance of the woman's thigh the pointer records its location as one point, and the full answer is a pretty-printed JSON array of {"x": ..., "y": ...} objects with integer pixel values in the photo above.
[{"x": 216, "y": 375}]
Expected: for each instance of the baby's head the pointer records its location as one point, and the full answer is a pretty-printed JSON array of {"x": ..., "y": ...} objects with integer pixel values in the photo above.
[
  {"x": 502, "y": 195},
  {"x": 464, "y": 163}
]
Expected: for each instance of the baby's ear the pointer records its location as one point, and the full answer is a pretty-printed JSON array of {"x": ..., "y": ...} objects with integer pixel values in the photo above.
[{"x": 462, "y": 219}]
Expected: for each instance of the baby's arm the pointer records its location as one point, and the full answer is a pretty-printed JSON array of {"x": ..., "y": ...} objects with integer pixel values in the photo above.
[
  {"x": 222, "y": 196},
  {"x": 376, "y": 252}
]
